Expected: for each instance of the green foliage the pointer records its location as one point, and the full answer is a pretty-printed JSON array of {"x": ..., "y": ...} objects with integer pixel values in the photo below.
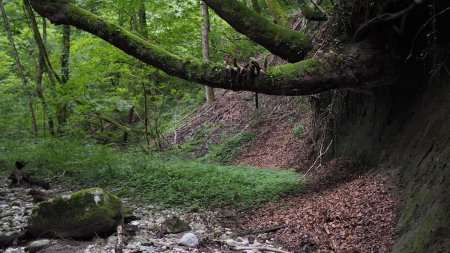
[
  {"x": 277, "y": 12},
  {"x": 104, "y": 81},
  {"x": 230, "y": 148},
  {"x": 303, "y": 103},
  {"x": 153, "y": 178},
  {"x": 299, "y": 131}
]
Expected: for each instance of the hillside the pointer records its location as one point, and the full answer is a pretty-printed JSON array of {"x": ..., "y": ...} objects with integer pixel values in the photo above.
[{"x": 343, "y": 206}]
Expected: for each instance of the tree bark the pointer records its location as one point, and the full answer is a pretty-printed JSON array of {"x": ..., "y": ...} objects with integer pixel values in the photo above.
[
  {"x": 144, "y": 90},
  {"x": 358, "y": 66},
  {"x": 62, "y": 112},
  {"x": 129, "y": 122},
  {"x": 43, "y": 65},
  {"x": 40, "y": 44},
  {"x": 290, "y": 45},
  {"x": 19, "y": 68},
  {"x": 205, "y": 27},
  {"x": 65, "y": 64},
  {"x": 142, "y": 20}
]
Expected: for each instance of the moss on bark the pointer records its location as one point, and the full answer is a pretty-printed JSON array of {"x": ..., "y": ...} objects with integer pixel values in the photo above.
[
  {"x": 288, "y": 44},
  {"x": 301, "y": 78}
]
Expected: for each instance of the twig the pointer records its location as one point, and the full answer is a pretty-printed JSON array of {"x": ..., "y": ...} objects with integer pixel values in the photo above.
[
  {"x": 318, "y": 7},
  {"x": 327, "y": 230},
  {"x": 264, "y": 230},
  {"x": 260, "y": 248},
  {"x": 423, "y": 27},
  {"x": 155, "y": 242},
  {"x": 212, "y": 106},
  {"x": 319, "y": 158},
  {"x": 385, "y": 17}
]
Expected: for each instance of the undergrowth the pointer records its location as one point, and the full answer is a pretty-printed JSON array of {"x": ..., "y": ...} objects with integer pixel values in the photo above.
[
  {"x": 152, "y": 178},
  {"x": 228, "y": 150}
]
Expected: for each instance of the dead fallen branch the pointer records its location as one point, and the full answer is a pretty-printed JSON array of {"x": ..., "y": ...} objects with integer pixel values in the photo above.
[
  {"x": 157, "y": 243},
  {"x": 260, "y": 249},
  {"x": 119, "y": 244},
  {"x": 19, "y": 178},
  {"x": 264, "y": 230}
]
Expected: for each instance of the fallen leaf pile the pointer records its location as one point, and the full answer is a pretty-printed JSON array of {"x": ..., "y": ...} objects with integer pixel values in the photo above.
[{"x": 357, "y": 215}]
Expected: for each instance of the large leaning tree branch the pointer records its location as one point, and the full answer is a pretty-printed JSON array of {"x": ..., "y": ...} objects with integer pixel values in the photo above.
[
  {"x": 288, "y": 44},
  {"x": 357, "y": 67}
]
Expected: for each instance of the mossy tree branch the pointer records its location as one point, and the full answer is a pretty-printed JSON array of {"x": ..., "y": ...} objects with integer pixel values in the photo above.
[
  {"x": 357, "y": 69},
  {"x": 288, "y": 44}
]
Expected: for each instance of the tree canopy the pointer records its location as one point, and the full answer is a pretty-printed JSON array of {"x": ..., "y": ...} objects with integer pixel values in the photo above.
[{"x": 357, "y": 66}]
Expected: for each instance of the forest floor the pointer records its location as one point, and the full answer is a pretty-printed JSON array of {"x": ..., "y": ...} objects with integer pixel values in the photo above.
[
  {"x": 344, "y": 206},
  {"x": 341, "y": 205}
]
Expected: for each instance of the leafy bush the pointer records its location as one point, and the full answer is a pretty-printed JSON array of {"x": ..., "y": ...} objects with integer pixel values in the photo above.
[
  {"x": 153, "y": 178},
  {"x": 299, "y": 131}
]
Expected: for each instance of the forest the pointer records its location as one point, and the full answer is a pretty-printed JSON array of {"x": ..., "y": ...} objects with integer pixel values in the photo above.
[{"x": 224, "y": 126}]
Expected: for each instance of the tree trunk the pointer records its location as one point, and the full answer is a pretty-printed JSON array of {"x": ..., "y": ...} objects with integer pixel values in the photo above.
[
  {"x": 40, "y": 44},
  {"x": 19, "y": 68},
  {"x": 62, "y": 112},
  {"x": 144, "y": 90},
  {"x": 205, "y": 45},
  {"x": 129, "y": 122},
  {"x": 43, "y": 65},
  {"x": 143, "y": 20}
]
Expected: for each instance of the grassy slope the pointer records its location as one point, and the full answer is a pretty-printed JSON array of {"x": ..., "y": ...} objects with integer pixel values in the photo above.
[{"x": 151, "y": 177}]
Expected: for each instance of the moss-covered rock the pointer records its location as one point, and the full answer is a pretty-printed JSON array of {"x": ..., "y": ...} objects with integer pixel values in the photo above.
[
  {"x": 174, "y": 225},
  {"x": 82, "y": 214}
]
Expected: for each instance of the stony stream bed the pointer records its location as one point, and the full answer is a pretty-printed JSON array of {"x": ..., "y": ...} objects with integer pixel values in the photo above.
[{"x": 206, "y": 233}]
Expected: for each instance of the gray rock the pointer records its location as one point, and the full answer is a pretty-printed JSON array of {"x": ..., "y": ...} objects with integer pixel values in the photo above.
[
  {"x": 7, "y": 213},
  {"x": 189, "y": 240},
  {"x": 231, "y": 243},
  {"x": 15, "y": 250},
  {"x": 85, "y": 214},
  {"x": 111, "y": 241},
  {"x": 38, "y": 245}
]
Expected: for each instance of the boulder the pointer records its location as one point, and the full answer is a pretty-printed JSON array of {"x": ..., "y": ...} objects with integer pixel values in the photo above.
[
  {"x": 38, "y": 245},
  {"x": 82, "y": 214}
]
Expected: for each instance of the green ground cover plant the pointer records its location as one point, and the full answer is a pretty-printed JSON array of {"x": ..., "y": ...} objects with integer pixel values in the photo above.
[{"x": 156, "y": 178}]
